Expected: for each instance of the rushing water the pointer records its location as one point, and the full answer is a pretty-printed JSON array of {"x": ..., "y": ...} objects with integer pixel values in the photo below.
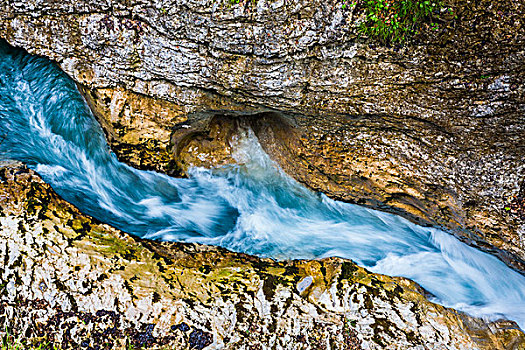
[{"x": 253, "y": 207}]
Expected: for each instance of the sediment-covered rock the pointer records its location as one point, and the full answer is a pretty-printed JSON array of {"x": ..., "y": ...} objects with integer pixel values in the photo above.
[
  {"x": 78, "y": 283},
  {"x": 433, "y": 130}
]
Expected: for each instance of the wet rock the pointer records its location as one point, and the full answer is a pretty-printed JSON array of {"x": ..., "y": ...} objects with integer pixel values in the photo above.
[
  {"x": 432, "y": 130},
  {"x": 137, "y": 127},
  {"x": 101, "y": 287}
]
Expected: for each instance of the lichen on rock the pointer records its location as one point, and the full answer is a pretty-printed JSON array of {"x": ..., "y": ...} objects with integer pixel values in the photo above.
[{"x": 77, "y": 283}]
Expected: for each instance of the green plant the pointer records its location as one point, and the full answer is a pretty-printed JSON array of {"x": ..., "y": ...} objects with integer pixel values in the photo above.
[
  {"x": 10, "y": 342},
  {"x": 236, "y": 2},
  {"x": 347, "y": 3},
  {"x": 393, "y": 21}
]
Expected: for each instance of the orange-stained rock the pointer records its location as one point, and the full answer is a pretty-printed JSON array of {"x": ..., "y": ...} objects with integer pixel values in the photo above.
[{"x": 76, "y": 283}]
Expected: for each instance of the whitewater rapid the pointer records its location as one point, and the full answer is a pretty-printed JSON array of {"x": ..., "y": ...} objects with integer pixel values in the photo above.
[{"x": 252, "y": 207}]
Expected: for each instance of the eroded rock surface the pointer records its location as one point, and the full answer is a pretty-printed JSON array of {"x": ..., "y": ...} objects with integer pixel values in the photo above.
[
  {"x": 78, "y": 283},
  {"x": 433, "y": 131}
]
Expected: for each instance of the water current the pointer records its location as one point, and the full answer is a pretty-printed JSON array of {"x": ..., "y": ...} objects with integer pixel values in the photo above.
[{"x": 251, "y": 207}]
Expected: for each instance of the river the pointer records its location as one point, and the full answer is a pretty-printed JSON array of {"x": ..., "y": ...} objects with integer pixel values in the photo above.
[{"x": 251, "y": 207}]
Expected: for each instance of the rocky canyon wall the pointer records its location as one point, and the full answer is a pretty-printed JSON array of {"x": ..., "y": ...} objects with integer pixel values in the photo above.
[
  {"x": 433, "y": 130},
  {"x": 76, "y": 283}
]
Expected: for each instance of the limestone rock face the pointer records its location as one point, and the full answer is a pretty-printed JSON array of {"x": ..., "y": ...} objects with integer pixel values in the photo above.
[
  {"x": 434, "y": 130},
  {"x": 78, "y": 283}
]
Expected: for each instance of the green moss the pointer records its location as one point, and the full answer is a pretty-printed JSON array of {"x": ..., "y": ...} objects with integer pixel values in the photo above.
[{"x": 223, "y": 273}]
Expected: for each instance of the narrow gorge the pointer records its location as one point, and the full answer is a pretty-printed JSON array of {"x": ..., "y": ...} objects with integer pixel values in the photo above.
[{"x": 274, "y": 129}]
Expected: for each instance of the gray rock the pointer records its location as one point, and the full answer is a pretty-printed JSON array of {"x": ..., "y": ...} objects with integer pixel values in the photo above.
[
  {"x": 78, "y": 283},
  {"x": 433, "y": 130}
]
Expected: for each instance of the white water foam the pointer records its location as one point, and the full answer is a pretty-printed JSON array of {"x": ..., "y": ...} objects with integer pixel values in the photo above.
[{"x": 250, "y": 207}]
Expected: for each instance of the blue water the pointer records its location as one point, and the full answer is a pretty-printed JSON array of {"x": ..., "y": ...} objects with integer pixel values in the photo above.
[{"x": 252, "y": 207}]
